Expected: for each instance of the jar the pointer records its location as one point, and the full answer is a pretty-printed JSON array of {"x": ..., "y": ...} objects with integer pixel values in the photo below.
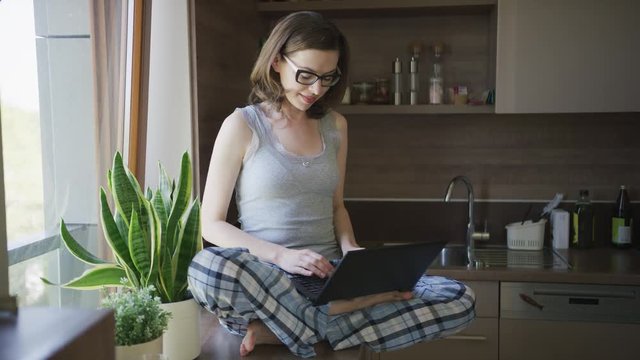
[
  {"x": 381, "y": 94},
  {"x": 362, "y": 92}
]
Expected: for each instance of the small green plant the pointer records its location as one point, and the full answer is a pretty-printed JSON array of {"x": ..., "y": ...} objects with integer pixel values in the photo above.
[{"x": 139, "y": 317}]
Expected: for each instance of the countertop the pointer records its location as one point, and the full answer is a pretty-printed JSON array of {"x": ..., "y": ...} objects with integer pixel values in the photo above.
[{"x": 588, "y": 266}]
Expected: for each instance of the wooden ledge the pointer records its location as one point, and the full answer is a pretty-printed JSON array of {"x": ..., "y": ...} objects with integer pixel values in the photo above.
[{"x": 57, "y": 333}]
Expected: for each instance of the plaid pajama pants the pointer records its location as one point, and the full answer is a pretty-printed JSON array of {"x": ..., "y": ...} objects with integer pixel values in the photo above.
[{"x": 239, "y": 288}]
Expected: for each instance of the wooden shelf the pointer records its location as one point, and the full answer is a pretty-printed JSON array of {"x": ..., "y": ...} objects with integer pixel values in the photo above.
[
  {"x": 368, "y": 7},
  {"x": 413, "y": 109},
  {"x": 58, "y": 333}
]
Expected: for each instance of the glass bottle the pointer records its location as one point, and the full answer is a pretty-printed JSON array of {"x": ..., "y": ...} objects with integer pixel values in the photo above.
[
  {"x": 621, "y": 221},
  {"x": 396, "y": 72},
  {"x": 582, "y": 234},
  {"x": 436, "y": 86},
  {"x": 413, "y": 81}
]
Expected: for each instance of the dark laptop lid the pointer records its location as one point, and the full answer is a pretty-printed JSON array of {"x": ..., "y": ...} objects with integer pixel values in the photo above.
[{"x": 377, "y": 270}]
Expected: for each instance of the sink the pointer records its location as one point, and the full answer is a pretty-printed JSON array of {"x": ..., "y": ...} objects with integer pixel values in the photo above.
[{"x": 502, "y": 257}]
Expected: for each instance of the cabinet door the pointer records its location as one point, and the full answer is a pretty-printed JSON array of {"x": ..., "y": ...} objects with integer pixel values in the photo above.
[
  {"x": 546, "y": 339},
  {"x": 567, "y": 56},
  {"x": 479, "y": 341},
  {"x": 487, "y": 298}
]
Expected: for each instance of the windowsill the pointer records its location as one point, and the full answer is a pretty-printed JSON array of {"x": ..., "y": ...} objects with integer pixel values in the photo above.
[
  {"x": 48, "y": 258},
  {"x": 25, "y": 249}
]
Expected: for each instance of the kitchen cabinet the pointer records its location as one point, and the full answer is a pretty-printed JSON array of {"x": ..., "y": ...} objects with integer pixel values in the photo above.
[
  {"x": 478, "y": 341},
  {"x": 545, "y": 339},
  {"x": 567, "y": 56},
  {"x": 522, "y": 321},
  {"x": 568, "y": 321},
  {"x": 379, "y": 31}
]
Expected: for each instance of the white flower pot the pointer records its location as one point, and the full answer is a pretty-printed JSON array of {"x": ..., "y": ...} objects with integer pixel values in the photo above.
[
  {"x": 135, "y": 352},
  {"x": 182, "y": 339}
]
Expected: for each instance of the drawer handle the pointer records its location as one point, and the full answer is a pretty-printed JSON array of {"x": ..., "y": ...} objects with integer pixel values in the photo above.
[
  {"x": 587, "y": 294},
  {"x": 467, "y": 337},
  {"x": 529, "y": 300}
]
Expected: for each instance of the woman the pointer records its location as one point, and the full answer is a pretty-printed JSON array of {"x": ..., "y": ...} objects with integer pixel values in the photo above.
[{"x": 285, "y": 156}]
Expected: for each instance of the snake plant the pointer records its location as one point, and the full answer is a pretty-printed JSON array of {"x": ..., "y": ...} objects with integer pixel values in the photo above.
[{"x": 153, "y": 235}]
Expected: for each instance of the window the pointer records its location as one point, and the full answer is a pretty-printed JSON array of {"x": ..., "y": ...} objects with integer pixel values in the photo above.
[
  {"x": 20, "y": 123},
  {"x": 48, "y": 143}
]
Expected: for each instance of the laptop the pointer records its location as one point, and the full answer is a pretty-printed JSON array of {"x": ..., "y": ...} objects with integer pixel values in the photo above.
[{"x": 370, "y": 271}]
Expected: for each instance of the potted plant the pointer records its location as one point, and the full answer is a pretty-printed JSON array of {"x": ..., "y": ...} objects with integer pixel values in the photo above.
[
  {"x": 153, "y": 237},
  {"x": 140, "y": 322}
]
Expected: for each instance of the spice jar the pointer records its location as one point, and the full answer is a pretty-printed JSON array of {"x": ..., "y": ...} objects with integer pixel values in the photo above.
[
  {"x": 381, "y": 94},
  {"x": 362, "y": 92}
]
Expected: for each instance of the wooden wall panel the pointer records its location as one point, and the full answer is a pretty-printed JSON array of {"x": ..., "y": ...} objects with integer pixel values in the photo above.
[
  {"x": 505, "y": 156},
  {"x": 227, "y": 34}
]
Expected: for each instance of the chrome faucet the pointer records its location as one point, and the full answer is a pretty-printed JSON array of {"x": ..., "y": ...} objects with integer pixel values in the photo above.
[{"x": 470, "y": 226}]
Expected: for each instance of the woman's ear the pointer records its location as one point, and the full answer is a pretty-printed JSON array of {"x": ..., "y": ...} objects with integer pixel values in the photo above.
[{"x": 275, "y": 65}]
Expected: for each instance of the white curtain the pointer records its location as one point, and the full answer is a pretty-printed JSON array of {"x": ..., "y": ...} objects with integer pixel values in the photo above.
[{"x": 109, "y": 45}]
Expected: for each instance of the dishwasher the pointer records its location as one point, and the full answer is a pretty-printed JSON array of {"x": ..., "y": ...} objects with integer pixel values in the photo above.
[{"x": 568, "y": 321}]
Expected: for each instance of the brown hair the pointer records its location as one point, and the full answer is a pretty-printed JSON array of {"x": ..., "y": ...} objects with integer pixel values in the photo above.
[{"x": 299, "y": 31}]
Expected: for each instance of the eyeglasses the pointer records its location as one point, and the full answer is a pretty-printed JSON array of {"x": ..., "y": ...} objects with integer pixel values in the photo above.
[{"x": 305, "y": 77}]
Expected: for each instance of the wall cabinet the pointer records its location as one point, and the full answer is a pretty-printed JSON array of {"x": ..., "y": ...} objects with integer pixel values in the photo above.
[
  {"x": 541, "y": 56},
  {"x": 380, "y": 31},
  {"x": 567, "y": 56}
]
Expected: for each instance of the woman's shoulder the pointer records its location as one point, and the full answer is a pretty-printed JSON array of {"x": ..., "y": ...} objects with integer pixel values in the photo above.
[
  {"x": 338, "y": 119},
  {"x": 236, "y": 125},
  {"x": 248, "y": 115}
]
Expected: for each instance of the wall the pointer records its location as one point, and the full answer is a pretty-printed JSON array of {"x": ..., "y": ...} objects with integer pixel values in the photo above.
[
  {"x": 404, "y": 162},
  {"x": 227, "y": 43},
  {"x": 399, "y": 167},
  {"x": 169, "y": 117},
  {"x": 505, "y": 156}
]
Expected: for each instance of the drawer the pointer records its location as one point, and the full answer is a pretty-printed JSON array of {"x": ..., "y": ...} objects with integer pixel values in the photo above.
[
  {"x": 572, "y": 302},
  {"x": 546, "y": 339}
]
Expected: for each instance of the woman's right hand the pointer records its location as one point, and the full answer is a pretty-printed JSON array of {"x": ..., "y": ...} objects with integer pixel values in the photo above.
[{"x": 304, "y": 262}]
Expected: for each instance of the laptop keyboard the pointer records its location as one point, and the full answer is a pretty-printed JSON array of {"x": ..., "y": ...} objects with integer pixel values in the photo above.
[{"x": 309, "y": 285}]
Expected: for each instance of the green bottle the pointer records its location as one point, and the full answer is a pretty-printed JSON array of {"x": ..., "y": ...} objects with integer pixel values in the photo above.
[
  {"x": 621, "y": 222},
  {"x": 582, "y": 222}
]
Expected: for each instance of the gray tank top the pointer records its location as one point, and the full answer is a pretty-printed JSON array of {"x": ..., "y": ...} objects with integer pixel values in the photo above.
[{"x": 286, "y": 198}]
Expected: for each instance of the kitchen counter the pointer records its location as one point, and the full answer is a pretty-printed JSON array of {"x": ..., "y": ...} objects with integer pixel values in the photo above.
[{"x": 590, "y": 266}]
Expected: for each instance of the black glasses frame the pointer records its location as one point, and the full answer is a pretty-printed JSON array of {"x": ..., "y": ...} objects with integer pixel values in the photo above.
[{"x": 327, "y": 80}]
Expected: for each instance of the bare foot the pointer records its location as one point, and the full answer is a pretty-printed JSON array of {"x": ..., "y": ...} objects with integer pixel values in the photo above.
[{"x": 257, "y": 333}]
